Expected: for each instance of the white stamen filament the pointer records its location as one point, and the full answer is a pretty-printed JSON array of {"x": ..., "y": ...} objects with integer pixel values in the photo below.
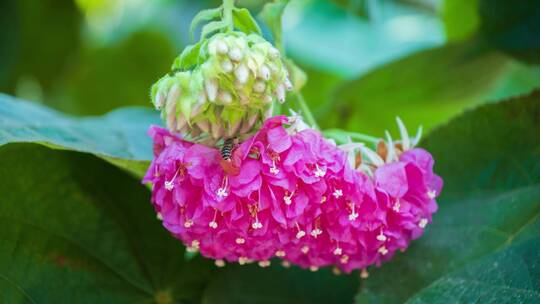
[
  {"x": 274, "y": 170},
  {"x": 264, "y": 264},
  {"x": 397, "y": 206},
  {"x": 319, "y": 172},
  {"x": 222, "y": 192},
  {"x": 219, "y": 263},
  {"x": 213, "y": 224},
  {"x": 301, "y": 233},
  {"x": 364, "y": 274},
  {"x": 256, "y": 224},
  {"x": 354, "y": 215},
  {"x": 288, "y": 198},
  {"x": 188, "y": 223},
  {"x": 169, "y": 185},
  {"x": 316, "y": 232}
]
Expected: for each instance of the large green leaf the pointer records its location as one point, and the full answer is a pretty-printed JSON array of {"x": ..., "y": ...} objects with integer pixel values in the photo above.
[
  {"x": 512, "y": 27},
  {"x": 118, "y": 137},
  {"x": 253, "y": 285},
  {"x": 426, "y": 88},
  {"x": 78, "y": 230},
  {"x": 461, "y": 19},
  {"x": 326, "y": 36},
  {"x": 484, "y": 239}
]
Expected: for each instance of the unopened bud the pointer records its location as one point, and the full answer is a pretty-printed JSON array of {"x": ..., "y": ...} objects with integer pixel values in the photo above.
[
  {"x": 241, "y": 73},
  {"x": 274, "y": 53},
  {"x": 233, "y": 128},
  {"x": 244, "y": 99},
  {"x": 227, "y": 65},
  {"x": 174, "y": 94},
  {"x": 204, "y": 125},
  {"x": 264, "y": 72},
  {"x": 217, "y": 130},
  {"x": 211, "y": 87},
  {"x": 288, "y": 84},
  {"x": 221, "y": 47},
  {"x": 267, "y": 99},
  {"x": 225, "y": 97},
  {"x": 236, "y": 54},
  {"x": 280, "y": 93},
  {"x": 259, "y": 86},
  {"x": 159, "y": 101},
  {"x": 181, "y": 123},
  {"x": 171, "y": 114},
  {"x": 248, "y": 123}
]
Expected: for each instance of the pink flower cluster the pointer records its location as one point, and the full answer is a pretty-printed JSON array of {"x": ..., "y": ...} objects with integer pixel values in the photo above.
[{"x": 294, "y": 196}]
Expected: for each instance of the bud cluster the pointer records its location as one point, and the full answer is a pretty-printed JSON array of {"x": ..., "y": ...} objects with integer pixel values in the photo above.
[{"x": 229, "y": 89}]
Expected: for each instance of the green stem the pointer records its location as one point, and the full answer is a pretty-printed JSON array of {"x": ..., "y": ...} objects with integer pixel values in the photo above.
[
  {"x": 228, "y": 6},
  {"x": 306, "y": 112},
  {"x": 341, "y": 136}
]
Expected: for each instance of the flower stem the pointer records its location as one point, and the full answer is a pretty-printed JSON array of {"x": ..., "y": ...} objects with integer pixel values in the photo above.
[
  {"x": 306, "y": 112},
  {"x": 228, "y": 6}
]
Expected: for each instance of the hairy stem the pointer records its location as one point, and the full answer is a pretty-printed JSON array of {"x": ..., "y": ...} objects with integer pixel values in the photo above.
[{"x": 228, "y": 6}]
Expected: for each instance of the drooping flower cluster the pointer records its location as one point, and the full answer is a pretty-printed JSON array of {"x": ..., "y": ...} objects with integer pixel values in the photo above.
[
  {"x": 293, "y": 195},
  {"x": 223, "y": 86}
]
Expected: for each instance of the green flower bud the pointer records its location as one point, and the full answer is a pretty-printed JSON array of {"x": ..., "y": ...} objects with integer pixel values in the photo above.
[{"x": 224, "y": 86}]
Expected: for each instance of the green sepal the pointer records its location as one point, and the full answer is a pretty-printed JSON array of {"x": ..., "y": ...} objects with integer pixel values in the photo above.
[
  {"x": 244, "y": 22},
  {"x": 211, "y": 27},
  {"x": 204, "y": 16},
  {"x": 188, "y": 58}
]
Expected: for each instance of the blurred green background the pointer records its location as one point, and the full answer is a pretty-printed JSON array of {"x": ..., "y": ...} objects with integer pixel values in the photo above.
[{"x": 366, "y": 60}]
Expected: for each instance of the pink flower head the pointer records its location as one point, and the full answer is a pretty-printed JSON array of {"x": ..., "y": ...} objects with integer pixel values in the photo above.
[{"x": 294, "y": 195}]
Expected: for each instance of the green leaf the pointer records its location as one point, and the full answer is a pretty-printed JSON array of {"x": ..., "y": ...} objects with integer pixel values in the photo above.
[
  {"x": 512, "y": 28},
  {"x": 425, "y": 89},
  {"x": 204, "y": 16},
  {"x": 271, "y": 14},
  {"x": 244, "y": 22},
  {"x": 118, "y": 137},
  {"x": 211, "y": 27},
  {"x": 461, "y": 19},
  {"x": 78, "y": 230},
  {"x": 494, "y": 279},
  {"x": 325, "y": 36},
  {"x": 236, "y": 284},
  {"x": 489, "y": 213},
  {"x": 188, "y": 58}
]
